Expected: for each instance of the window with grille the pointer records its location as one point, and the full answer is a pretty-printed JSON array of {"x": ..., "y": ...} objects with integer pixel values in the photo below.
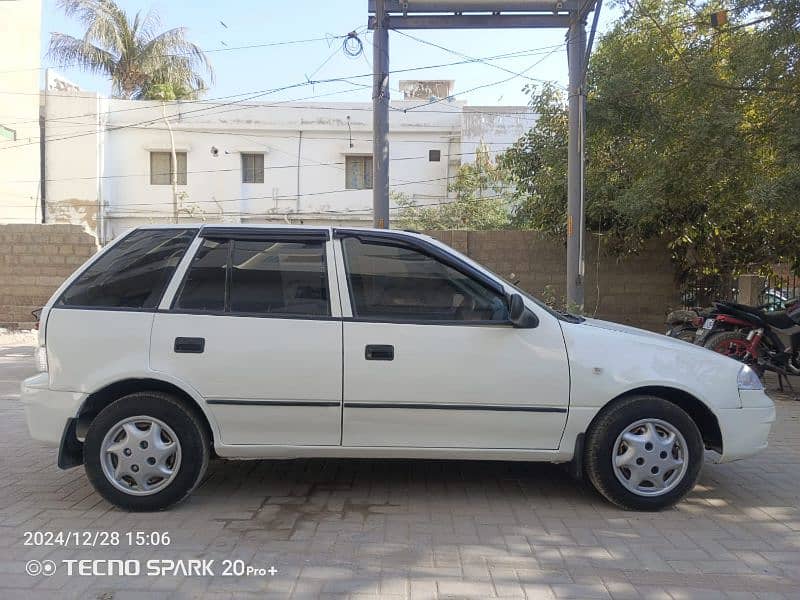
[
  {"x": 252, "y": 168},
  {"x": 161, "y": 168},
  {"x": 358, "y": 172}
]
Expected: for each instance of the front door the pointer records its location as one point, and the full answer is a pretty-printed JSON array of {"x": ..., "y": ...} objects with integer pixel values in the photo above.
[
  {"x": 431, "y": 359},
  {"x": 251, "y": 329}
]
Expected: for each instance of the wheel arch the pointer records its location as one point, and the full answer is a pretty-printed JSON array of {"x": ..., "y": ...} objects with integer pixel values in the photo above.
[
  {"x": 701, "y": 414},
  {"x": 98, "y": 400}
]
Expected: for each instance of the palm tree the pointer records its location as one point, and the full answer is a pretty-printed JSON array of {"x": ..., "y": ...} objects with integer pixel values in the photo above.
[{"x": 131, "y": 53}]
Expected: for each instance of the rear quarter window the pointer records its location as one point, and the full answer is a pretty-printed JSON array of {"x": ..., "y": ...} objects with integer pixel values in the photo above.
[{"x": 133, "y": 274}]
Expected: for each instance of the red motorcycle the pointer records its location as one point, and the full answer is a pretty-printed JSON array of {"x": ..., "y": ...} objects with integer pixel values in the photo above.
[{"x": 767, "y": 341}]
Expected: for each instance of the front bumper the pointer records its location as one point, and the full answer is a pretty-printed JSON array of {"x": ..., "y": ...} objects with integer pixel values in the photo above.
[
  {"x": 745, "y": 430},
  {"x": 47, "y": 411}
]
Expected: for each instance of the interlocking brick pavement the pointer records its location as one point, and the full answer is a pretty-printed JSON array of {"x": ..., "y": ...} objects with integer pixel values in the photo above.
[{"x": 403, "y": 530}]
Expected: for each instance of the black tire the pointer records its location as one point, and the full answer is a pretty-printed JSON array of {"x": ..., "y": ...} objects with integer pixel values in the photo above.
[
  {"x": 191, "y": 433},
  {"x": 608, "y": 426},
  {"x": 685, "y": 334}
]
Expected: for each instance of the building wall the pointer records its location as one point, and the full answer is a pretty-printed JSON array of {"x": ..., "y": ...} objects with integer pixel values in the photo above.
[
  {"x": 98, "y": 155},
  {"x": 635, "y": 290},
  {"x": 34, "y": 260},
  {"x": 19, "y": 111}
]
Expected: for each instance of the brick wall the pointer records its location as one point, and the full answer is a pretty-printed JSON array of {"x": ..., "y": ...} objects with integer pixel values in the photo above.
[
  {"x": 34, "y": 261},
  {"x": 635, "y": 290}
]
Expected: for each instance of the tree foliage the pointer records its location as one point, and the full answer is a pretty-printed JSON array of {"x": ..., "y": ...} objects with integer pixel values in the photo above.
[
  {"x": 482, "y": 197},
  {"x": 131, "y": 52},
  {"x": 693, "y": 135}
]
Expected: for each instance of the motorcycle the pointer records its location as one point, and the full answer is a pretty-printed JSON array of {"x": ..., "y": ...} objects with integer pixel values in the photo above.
[{"x": 766, "y": 341}]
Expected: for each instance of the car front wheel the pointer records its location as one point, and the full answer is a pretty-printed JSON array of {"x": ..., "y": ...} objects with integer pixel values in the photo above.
[
  {"x": 146, "y": 451},
  {"x": 643, "y": 453}
]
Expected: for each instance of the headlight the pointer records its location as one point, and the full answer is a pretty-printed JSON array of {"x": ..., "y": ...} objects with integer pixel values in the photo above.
[
  {"x": 41, "y": 359},
  {"x": 748, "y": 380}
]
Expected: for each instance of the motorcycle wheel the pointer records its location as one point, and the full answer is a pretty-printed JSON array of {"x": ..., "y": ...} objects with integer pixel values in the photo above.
[{"x": 730, "y": 343}]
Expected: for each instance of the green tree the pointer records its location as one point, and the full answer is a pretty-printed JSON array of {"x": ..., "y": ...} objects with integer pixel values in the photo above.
[
  {"x": 692, "y": 136},
  {"x": 131, "y": 52},
  {"x": 482, "y": 196}
]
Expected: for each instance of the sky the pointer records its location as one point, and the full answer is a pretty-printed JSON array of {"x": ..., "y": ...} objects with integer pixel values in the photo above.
[{"x": 220, "y": 27}]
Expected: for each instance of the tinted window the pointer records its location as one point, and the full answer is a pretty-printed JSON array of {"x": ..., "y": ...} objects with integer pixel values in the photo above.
[
  {"x": 263, "y": 277},
  {"x": 204, "y": 285},
  {"x": 395, "y": 282},
  {"x": 279, "y": 277},
  {"x": 131, "y": 274}
]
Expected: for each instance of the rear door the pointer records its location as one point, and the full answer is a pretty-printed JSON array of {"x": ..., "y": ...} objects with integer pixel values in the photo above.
[
  {"x": 431, "y": 359},
  {"x": 254, "y": 328}
]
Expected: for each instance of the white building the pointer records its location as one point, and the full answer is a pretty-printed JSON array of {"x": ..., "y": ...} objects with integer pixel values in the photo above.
[
  {"x": 107, "y": 161},
  {"x": 20, "y": 193}
]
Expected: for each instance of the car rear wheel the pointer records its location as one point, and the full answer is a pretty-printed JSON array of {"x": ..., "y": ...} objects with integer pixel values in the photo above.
[
  {"x": 643, "y": 453},
  {"x": 146, "y": 451}
]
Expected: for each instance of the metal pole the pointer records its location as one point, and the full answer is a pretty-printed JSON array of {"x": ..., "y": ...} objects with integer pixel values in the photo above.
[
  {"x": 576, "y": 48},
  {"x": 380, "y": 118}
]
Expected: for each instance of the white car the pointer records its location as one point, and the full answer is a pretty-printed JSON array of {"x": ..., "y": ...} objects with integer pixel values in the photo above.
[{"x": 177, "y": 343}]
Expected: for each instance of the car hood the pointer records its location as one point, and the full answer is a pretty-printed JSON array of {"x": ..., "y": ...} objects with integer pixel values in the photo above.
[{"x": 640, "y": 336}]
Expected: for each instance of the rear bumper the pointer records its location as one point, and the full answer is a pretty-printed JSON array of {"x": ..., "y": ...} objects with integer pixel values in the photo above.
[
  {"x": 48, "y": 411},
  {"x": 745, "y": 430}
]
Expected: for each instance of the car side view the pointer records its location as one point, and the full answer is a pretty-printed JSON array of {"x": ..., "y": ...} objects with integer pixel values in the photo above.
[{"x": 178, "y": 343}]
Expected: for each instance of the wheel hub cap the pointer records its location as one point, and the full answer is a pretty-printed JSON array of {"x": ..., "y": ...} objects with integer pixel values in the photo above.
[
  {"x": 140, "y": 455},
  {"x": 650, "y": 457}
]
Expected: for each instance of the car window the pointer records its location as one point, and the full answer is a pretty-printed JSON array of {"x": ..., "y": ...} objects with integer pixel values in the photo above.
[
  {"x": 257, "y": 277},
  {"x": 204, "y": 285},
  {"x": 279, "y": 278},
  {"x": 396, "y": 282},
  {"x": 131, "y": 274}
]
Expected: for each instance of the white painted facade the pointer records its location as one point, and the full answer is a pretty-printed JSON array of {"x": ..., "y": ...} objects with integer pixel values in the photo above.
[
  {"x": 98, "y": 158},
  {"x": 20, "y": 200}
]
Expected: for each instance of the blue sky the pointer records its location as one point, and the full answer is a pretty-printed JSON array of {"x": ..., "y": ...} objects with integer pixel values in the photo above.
[{"x": 268, "y": 21}]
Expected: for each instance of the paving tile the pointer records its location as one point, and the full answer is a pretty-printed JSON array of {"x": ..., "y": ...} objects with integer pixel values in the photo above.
[{"x": 414, "y": 530}]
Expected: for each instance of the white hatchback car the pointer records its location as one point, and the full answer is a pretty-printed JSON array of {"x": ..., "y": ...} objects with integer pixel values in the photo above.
[{"x": 175, "y": 343}]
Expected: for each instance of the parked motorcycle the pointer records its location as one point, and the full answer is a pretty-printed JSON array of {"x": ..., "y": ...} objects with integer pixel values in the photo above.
[{"x": 767, "y": 341}]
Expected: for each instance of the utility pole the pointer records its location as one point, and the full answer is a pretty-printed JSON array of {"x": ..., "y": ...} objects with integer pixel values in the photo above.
[
  {"x": 576, "y": 51},
  {"x": 380, "y": 118},
  {"x": 491, "y": 14},
  {"x": 174, "y": 162}
]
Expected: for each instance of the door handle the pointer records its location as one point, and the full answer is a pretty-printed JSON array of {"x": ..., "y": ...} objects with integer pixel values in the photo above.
[
  {"x": 189, "y": 345},
  {"x": 379, "y": 352}
]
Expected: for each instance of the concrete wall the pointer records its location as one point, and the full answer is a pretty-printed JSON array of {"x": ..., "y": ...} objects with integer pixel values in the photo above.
[
  {"x": 19, "y": 111},
  {"x": 635, "y": 290},
  {"x": 34, "y": 261}
]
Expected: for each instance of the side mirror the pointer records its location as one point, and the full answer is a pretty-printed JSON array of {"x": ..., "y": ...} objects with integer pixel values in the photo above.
[{"x": 520, "y": 315}]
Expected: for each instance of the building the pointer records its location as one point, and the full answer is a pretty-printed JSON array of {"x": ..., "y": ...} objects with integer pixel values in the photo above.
[
  {"x": 20, "y": 193},
  {"x": 107, "y": 161}
]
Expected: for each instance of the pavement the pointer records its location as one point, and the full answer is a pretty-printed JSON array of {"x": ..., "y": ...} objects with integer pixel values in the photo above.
[{"x": 395, "y": 529}]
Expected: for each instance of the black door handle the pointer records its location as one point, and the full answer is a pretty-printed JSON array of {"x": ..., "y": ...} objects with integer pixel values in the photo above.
[
  {"x": 190, "y": 345},
  {"x": 379, "y": 352}
]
